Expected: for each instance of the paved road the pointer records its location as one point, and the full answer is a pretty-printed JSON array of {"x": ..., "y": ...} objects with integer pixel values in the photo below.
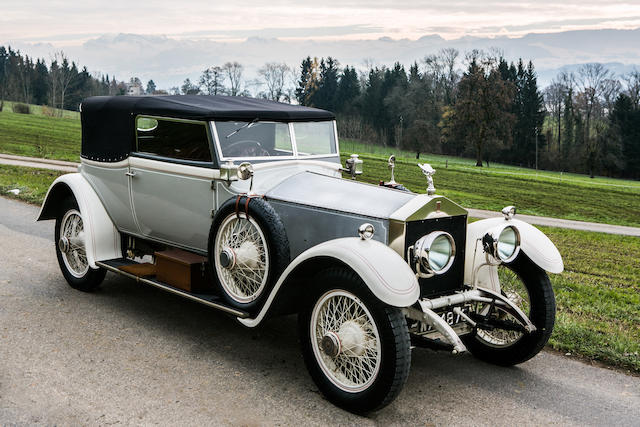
[
  {"x": 33, "y": 162},
  {"x": 477, "y": 213},
  {"x": 130, "y": 354}
]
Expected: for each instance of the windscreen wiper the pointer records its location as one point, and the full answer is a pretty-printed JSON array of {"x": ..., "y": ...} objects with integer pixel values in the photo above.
[{"x": 248, "y": 125}]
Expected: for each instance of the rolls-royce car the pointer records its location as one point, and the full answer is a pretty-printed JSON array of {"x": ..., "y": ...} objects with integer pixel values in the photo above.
[{"x": 244, "y": 205}]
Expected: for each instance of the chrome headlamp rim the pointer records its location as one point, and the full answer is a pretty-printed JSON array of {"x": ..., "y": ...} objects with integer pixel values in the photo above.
[
  {"x": 494, "y": 238},
  {"x": 516, "y": 244},
  {"x": 422, "y": 251}
]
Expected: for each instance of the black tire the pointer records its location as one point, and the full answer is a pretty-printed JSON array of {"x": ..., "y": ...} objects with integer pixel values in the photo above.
[
  {"x": 395, "y": 347},
  {"x": 277, "y": 245},
  {"x": 87, "y": 281},
  {"x": 542, "y": 311}
]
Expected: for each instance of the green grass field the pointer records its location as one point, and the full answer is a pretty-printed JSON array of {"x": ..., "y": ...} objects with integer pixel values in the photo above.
[
  {"x": 38, "y": 135},
  {"x": 598, "y": 297},
  {"x": 553, "y": 194},
  {"x": 480, "y": 189}
]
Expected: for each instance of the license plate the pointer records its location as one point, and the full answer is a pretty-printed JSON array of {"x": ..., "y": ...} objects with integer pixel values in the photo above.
[{"x": 448, "y": 316}]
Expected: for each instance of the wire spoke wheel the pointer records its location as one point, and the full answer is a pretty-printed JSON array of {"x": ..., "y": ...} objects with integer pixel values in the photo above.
[
  {"x": 345, "y": 341},
  {"x": 71, "y": 244},
  {"x": 242, "y": 258},
  {"x": 513, "y": 287}
]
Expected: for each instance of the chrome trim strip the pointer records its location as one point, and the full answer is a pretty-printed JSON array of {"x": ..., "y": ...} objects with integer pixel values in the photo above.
[
  {"x": 184, "y": 294},
  {"x": 174, "y": 168}
]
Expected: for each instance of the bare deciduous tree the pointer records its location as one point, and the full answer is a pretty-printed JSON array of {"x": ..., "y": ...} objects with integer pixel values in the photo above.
[
  {"x": 234, "y": 70},
  {"x": 212, "y": 81},
  {"x": 591, "y": 81},
  {"x": 61, "y": 76},
  {"x": 554, "y": 96},
  {"x": 632, "y": 81},
  {"x": 274, "y": 76}
]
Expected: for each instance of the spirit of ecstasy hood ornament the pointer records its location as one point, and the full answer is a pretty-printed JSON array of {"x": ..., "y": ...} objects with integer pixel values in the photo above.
[{"x": 428, "y": 171}]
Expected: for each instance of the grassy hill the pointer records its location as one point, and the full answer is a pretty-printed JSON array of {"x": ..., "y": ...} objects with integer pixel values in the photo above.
[
  {"x": 39, "y": 135},
  {"x": 544, "y": 193}
]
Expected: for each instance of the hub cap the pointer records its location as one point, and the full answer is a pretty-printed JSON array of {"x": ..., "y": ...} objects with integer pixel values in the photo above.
[
  {"x": 71, "y": 244},
  {"x": 243, "y": 258},
  {"x": 345, "y": 341}
]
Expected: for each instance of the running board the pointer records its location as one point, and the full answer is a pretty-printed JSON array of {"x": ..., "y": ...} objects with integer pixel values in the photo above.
[{"x": 208, "y": 300}]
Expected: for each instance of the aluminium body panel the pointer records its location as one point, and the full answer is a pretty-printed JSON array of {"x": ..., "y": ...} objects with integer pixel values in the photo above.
[
  {"x": 172, "y": 206},
  {"x": 111, "y": 184},
  {"x": 340, "y": 195},
  {"x": 308, "y": 226}
]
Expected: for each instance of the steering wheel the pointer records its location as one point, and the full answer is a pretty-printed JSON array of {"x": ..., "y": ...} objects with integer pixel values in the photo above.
[{"x": 248, "y": 148}]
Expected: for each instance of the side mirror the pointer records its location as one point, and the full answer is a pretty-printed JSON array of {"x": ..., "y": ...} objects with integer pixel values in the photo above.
[
  {"x": 229, "y": 172},
  {"x": 245, "y": 171},
  {"x": 353, "y": 166}
]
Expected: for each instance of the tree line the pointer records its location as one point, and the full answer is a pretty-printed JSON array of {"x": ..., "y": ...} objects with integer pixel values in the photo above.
[
  {"x": 61, "y": 85},
  {"x": 490, "y": 109}
]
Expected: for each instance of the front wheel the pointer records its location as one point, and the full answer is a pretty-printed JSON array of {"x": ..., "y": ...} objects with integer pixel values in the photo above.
[
  {"x": 528, "y": 286},
  {"x": 71, "y": 252},
  {"x": 356, "y": 348}
]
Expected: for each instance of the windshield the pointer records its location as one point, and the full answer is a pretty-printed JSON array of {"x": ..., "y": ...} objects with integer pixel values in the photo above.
[
  {"x": 256, "y": 139},
  {"x": 314, "y": 138}
]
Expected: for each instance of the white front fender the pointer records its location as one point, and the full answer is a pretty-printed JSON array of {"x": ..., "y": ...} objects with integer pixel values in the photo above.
[
  {"x": 533, "y": 242},
  {"x": 102, "y": 239},
  {"x": 384, "y": 272}
]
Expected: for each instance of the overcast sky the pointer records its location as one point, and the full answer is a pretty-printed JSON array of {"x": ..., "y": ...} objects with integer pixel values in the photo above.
[
  {"x": 63, "y": 22},
  {"x": 170, "y": 40}
]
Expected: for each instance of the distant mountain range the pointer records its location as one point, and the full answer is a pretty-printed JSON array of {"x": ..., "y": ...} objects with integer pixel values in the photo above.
[{"x": 168, "y": 61}]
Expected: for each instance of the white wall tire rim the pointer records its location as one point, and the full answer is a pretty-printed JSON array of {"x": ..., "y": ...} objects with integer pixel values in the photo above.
[
  {"x": 352, "y": 370},
  {"x": 514, "y": 288},
  {"x": 75, "y": 258},
  {"x": 243, "y": 283}
]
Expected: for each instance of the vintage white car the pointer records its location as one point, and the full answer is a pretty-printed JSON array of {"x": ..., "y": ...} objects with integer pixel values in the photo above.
[{"x": 240, "y": 204}]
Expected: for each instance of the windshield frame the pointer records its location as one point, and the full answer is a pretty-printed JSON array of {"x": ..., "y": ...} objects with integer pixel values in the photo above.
[{"x": 294, "y": 146}]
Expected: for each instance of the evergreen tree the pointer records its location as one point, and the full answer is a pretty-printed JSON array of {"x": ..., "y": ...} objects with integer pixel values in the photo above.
[
  {"x": 151, "y": 87},
  {"x": 41, "y": 83},
  {"x": 308, "y": 82},
  {"x": 324, "y": 97},
  {"x": 348, "y": 91},
  {"x": 482, "y": 115},
  {"x": 625, "y": 131}
]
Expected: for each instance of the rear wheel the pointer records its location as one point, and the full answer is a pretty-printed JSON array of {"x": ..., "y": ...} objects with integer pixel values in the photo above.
[
  {"x": 70, "y": 249},
  {"x": 356, "y": 348},
  {"x": 527, "y": 286}
]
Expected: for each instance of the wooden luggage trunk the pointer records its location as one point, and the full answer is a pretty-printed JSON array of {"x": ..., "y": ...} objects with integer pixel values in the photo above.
[{"x": 184, "y": 270}]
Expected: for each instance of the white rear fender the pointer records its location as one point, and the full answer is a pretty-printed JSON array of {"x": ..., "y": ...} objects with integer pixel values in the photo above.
[
  {"x": 533, "y": 242},
  {"x": 102, "y": 239},
  {"x": 384, "y": 272}
]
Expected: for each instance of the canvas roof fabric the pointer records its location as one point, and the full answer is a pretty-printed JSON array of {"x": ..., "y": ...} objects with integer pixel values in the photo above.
[{"x": 108, "y": 122}]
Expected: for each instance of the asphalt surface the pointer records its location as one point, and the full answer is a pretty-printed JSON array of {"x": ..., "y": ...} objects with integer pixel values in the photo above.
[
  {"x": 131, "y": 354},
  {"x": 33, "y": 162}
]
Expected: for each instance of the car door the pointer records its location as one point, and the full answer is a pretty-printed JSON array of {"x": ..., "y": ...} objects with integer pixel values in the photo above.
[{"x": 170, "y": 178}]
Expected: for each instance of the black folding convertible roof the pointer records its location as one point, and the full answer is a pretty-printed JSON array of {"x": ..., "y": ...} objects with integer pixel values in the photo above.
[{"x": 108, "y": 122}]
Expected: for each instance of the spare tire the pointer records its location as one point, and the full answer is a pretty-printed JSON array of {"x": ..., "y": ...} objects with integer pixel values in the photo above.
[{"x": 248, "y": 251}]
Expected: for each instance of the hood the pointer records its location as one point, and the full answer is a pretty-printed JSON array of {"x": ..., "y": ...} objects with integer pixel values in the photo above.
[{"x": 333, "y": 193}]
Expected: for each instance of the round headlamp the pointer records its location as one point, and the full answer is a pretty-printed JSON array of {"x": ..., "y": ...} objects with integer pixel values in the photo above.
[
  {"x": 508, "y": 244},
  {"x": 434, "y": 253},
  {"x": 502, "y": 243}
]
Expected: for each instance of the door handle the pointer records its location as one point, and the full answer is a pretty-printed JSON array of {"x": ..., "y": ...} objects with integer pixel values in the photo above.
[{"x": 131, "y": 174}]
